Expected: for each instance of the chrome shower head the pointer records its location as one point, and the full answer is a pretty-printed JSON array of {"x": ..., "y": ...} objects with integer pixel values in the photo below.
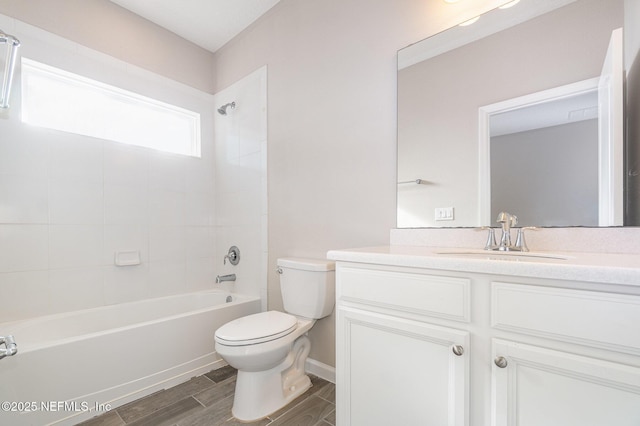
[{"x": 223, "y": 109}]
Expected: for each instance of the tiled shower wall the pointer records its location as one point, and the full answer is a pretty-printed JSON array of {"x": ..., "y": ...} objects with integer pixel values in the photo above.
[
  {"x": 68, "y": 202},
  {"x": 241, "y": 182}
]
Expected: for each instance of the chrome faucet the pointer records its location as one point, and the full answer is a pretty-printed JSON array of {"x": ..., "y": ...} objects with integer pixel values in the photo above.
[
  {"x": 221, "y": 278},
  {"x": 507, "y": 220}
]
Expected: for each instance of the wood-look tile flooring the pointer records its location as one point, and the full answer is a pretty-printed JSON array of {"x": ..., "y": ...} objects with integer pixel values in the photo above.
[{"x": 206, "y": 401}]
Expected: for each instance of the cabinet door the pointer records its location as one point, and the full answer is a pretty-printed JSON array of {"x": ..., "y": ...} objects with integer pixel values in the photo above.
[
  {"x": 533, "y": 386},
  {"x": 395, "y": 371}
]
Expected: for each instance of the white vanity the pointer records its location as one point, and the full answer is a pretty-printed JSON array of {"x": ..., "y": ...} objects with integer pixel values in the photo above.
[{"x": 429, "y": 336}]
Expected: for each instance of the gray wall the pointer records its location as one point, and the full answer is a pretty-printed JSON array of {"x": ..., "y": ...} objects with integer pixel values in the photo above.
[
  {"x": 111, "y": 29},
  {"x": 549, "y": 173}
]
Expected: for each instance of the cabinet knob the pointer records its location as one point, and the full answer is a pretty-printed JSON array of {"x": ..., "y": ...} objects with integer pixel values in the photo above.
[
  {"x": 458, "y": 350},
  {"x": 501, "y": 362}
]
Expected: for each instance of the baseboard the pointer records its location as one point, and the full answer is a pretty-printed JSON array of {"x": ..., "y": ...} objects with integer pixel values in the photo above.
[{"x": 321, "y": 370}]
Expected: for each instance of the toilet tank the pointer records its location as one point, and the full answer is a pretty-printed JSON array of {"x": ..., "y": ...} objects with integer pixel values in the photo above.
[{"x": 308, "y": 286}]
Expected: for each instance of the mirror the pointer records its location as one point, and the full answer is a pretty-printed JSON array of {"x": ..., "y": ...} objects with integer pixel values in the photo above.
[{"x": 508, "y": 114}]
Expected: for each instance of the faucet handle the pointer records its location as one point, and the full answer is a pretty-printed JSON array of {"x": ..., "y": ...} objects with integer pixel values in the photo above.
[
  {"x": 491, "y": 238},
  {"x": 233, "y": 256},
  {"x": 521, "y": 244}
]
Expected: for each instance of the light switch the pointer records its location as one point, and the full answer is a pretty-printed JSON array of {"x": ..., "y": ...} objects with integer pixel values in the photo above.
[{"x": 444, "y": 213}]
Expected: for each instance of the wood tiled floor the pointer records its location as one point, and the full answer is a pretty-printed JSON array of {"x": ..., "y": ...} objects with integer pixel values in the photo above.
[{"x": 206, "y": 401}]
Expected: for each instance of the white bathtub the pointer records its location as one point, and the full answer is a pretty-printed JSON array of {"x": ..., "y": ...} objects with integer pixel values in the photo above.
[{"x": 70, "y": 365}]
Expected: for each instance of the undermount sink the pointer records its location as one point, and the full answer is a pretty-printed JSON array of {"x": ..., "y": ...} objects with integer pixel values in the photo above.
[{"x": 503, "y": 255}]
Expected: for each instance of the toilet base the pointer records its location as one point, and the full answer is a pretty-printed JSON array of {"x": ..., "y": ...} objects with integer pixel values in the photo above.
[{"x": 260, "y": 393}]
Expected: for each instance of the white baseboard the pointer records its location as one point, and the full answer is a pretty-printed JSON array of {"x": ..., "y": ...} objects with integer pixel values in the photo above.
[{"x": 321, "y": 370}]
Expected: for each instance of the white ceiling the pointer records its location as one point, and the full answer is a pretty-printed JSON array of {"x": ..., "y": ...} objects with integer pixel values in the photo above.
[
  {"x": 208, "y": 23},
  {"x": 554, "y": 112}
]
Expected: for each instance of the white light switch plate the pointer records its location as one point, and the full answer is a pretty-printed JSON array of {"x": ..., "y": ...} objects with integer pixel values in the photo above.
[{"x": 444, "y": 213}]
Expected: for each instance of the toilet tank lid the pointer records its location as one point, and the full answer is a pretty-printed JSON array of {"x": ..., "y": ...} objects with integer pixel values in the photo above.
[{"x": 307, "y": 264}]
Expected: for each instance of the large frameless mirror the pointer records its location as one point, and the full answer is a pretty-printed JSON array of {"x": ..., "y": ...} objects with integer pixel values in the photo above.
[{"x": 521, "y": 111}]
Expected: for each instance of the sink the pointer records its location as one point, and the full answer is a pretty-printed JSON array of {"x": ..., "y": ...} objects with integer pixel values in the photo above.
[{"x": 503, "y": 255}]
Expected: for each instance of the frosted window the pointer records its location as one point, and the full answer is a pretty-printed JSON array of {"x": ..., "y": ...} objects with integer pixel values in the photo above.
[{"x": 60, "y": 100}]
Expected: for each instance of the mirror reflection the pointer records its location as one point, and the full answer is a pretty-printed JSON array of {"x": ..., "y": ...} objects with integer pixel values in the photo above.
[{"x": 523, "y": 113}]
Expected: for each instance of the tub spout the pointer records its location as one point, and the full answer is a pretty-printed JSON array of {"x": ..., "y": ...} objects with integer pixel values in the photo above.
[
  {"x": 221, "y": 278},
  {"x": 11, "y": 348}
]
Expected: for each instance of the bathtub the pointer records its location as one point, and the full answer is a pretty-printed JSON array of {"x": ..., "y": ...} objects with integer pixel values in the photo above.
[{"x": 75, "y": 365}]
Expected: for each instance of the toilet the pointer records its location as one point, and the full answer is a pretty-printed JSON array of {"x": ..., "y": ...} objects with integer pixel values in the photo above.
[{"x": 269, "y": 349}]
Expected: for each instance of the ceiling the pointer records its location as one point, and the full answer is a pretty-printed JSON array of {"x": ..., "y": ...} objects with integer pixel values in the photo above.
[
  {"x": 551, "y": 112},
  {"x": 208, "y": 23}
]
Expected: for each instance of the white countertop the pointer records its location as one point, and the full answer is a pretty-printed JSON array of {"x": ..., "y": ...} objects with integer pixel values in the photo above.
[{"x": 588, "y": 267}]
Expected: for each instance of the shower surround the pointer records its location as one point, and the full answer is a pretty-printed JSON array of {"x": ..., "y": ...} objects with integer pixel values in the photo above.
[{"x": 69, "y": 202}]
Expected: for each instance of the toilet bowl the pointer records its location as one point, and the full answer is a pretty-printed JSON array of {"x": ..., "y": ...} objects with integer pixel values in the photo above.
[{"x": 269, "y": 349}]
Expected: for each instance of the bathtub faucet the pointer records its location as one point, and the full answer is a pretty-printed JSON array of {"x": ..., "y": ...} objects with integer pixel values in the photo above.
[
  {"x": 221, "y": 278},
  {"x": 11, "y": 348}
]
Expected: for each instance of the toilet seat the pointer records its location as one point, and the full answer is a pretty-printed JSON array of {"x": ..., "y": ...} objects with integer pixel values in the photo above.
[{"x": 256, "y": 328}]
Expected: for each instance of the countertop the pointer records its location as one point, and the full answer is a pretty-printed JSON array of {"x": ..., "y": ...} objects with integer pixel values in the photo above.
[{"x": 606, "y": 268}]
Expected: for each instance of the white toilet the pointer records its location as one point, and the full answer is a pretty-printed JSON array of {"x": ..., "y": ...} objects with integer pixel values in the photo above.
[{"x": 269, "y": 349}]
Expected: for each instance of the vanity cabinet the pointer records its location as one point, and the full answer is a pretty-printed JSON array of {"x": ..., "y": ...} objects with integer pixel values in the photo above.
[
  {"x": 393, "y": 366},
  {"x": 580, "y": 385},
  {"x": 533, "y": 385},
  {"x": 442, "y": 348}
]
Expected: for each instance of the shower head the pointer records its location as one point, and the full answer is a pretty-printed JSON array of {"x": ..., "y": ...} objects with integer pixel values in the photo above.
[{"x": 223, "y": 109}]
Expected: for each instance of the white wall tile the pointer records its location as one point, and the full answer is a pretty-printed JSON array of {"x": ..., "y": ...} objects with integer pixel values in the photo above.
[
  {"x": 125, "y": 283},
  {"x": 22, "y": 152},
  {"x": 75, "y": 246},
  {"x": 200, "y": 274},
  {"x": 24, "y": 295},
  {"x": 166, "y": 208},
  {"x": 200, "y": 174},
  {"x": 251, "y": 169},
  {"x": 76, "y": 202},
  {"x": 166, "y": 278},
  {"x": 125, "y": 205},
  {"x": 241, "y": 198},
  {"x": 75, "y": 157},
  {"x": 23, "y": 199},
  {"x": 76, "y": 288},
  {"x": 167, "y": 171},
  {"x": 200, "y": 242},
  {"x": 200, "y": 209},
  {"x": 126, "y": 165},
  {"x": 167, "y": 243},
  {"x": 23, "y": 248},
  {"x": 239, "y": 208}
]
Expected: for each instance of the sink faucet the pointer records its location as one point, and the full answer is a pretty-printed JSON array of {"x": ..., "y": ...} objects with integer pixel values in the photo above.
[
  {"x": 221, "y": 278},
  {"x": 507, "y": 220}
]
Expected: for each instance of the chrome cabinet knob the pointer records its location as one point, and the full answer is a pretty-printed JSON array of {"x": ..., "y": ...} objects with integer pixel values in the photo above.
[
  {"x": 501, "y": 362},
  {"x": 458, "y": 350}
]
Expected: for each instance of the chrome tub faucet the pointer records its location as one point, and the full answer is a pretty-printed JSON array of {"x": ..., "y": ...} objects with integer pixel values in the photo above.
[{"x": 222, "y": 278}]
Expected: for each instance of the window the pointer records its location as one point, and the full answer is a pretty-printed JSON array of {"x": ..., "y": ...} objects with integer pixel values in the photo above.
[{"x": 61, "y": 100}]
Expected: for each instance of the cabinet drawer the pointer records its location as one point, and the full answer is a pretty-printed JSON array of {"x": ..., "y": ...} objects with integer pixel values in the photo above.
[
  {"x": 413, "y": 293},
  {"x": 599, "y": 319}
]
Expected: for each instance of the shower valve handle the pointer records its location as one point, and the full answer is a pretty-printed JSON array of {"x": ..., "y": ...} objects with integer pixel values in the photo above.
[{"x": 233, "y": 256}]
